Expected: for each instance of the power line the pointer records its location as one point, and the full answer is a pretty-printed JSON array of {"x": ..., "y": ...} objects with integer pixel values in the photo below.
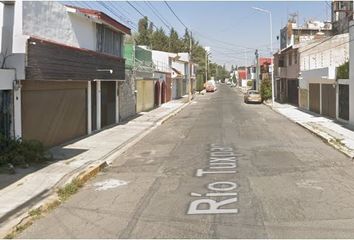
[
  {"x": 141, "y": 14},
  {"x": 156, "y": 13},
  {"x": 127, "y": 18},
  {"x": 136, "y": 9},
  {"x": 108, "y": 8},
  {"x": 175, "y": 15}
]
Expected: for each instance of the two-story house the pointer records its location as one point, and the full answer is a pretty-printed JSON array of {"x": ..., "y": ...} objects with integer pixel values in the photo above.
[
  {"x": 318, "y": 80},
  {"x": 69, "y": 69},
  {"x": 286, "y": 66}
]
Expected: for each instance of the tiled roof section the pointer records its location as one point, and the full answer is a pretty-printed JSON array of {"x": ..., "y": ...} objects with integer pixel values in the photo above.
[{"x": 103, "y": 17}]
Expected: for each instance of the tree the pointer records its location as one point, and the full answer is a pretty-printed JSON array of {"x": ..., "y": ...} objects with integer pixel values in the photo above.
[
  {"x": 266, "y": 89},
  {"x": 186, "y": 41},
  {"x": 159, "y": 40},
  {"x": 144, "y": 33},
  {"x": 234, "y": 78},
  {"x": 176, "y": 44}
]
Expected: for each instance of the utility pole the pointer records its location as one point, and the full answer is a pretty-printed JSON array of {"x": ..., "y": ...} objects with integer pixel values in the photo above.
[
  {"x": 206, "y": 66},
  {"x": 190, "y": 67},
  {"x": 271, "y": 48},
  {"x": 246, "y": 64},
  {"x": 257, "y": 71}
]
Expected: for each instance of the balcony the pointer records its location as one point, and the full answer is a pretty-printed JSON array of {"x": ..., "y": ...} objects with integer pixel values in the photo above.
[{"x": 282, "y": 72}]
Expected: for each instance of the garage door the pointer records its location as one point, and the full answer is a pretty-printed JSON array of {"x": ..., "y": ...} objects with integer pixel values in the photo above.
[
  {"x": 168, "y": 87},
  {"x": 145, "y": 95},
  {"x": 314, "y": 97},
  {"x": 328, "y": 100},
  {"x": 53, "y": 112}
]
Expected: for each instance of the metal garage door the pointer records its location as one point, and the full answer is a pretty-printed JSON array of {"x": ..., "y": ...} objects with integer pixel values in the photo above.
[
  {"x": 53, "y": 112},
  {"x": 343, "y": 111},
  {"x": 329, "y": 100},
  {"x": 314, "y": 97},
  {"x": 145, "y": 95},
  {"x": 168, "y": 87}
]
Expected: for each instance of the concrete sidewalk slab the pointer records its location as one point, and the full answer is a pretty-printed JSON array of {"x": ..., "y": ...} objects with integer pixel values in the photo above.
[
  {"x": 339, "y": 135},
  {"x": 77, "y": 158}
]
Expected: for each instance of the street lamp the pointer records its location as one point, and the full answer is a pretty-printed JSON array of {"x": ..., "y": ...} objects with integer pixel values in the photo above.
[{"x": 271, "y": 46}]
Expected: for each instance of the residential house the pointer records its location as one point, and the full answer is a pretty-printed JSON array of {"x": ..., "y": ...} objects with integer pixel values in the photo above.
[
  {"x": 7, "y": 75},
  {"x": 163, "y": 71},
  {"x": 342, "y": 14},
  {"x": 181, "y": 72},
  {"x": 293, "y": 34},
  {"x": 179, "y": 67},
  {"x": 346, "y": 90},
  {"x": 286, "y": 60},
  {"x": 264, "y": 64},
  {"x": 69, "y": 69},
  {"x": 318, "y": 80},
  {"x": 140, "y": 69},
  {"x": 242, "y": 76},
  {"x": 286, "y": 73}
]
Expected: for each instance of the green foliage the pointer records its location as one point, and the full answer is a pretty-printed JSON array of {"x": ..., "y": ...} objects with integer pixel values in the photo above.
[
  {"x": 250, "y": 83},
  {"x": 343, "y": 71},
  {"x": 266, "y": 89},
  {"x": 144, "y": 32},
  {"x": 158, "y": 40},
  {"x": 21, "y": 153},
  {"x": 200, "y": 83},
  {"x": 234, "y": 78},
  {"x": 176, "y": 44},
  {"x": 69, "y": 189},
  {"x": 217, "y": 71}
]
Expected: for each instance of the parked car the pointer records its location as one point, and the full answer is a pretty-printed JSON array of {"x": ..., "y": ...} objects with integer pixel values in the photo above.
[
  {"x": 210, "y": 86},
  {"x": 253, "y": 96}
]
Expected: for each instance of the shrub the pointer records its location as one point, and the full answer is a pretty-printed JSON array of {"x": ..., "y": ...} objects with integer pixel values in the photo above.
[
  {"x": 266, "y": 89},
  {"x": 343, "y": 71},
  {"x": 250, "y": 83},
  {"x": 21, "y": 153},
  {"x": 200, "y": 83}
]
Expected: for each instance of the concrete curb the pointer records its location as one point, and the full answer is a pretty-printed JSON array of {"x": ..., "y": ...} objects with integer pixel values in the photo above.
[
  {"x": 322, "y": 135},
  {"x": 82, "y": 175}
]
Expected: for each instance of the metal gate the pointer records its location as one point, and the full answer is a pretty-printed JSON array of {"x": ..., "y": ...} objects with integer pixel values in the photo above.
[
  {"x": 314, "y": 97},
  {"x": 329, "y": 100},
  {"x": 108, "y": 103},
  {"x": 5, "y": 112},
  {"x": 343, "y": 102},
  {"x": 293, "y": 91}
]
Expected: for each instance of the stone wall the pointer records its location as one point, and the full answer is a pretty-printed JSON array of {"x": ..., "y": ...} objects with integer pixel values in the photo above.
[
  {"x": 127, "y": 99},
  {"x": 303, "y": 98}
]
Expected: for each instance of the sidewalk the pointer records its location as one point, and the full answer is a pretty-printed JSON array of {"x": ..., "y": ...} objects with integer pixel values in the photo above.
[
  {"x": 337, "y": 134},
  {"x": 88, "y": 154}
]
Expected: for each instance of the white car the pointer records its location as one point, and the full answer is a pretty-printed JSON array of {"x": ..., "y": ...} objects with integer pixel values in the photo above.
[{"x": 210, "y": 86}]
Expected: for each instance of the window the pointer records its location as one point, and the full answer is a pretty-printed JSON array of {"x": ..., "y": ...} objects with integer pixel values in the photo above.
[
  {"x": 109, "y": 41},
  {"x": 290, "y": 59}
]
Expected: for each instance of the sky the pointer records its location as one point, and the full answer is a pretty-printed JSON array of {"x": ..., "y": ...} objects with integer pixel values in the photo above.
[{"x": 232, "y": 30}]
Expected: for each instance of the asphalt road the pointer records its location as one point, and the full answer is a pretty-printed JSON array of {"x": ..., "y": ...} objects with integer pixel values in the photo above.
[{"x": 219, "y": 169}]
